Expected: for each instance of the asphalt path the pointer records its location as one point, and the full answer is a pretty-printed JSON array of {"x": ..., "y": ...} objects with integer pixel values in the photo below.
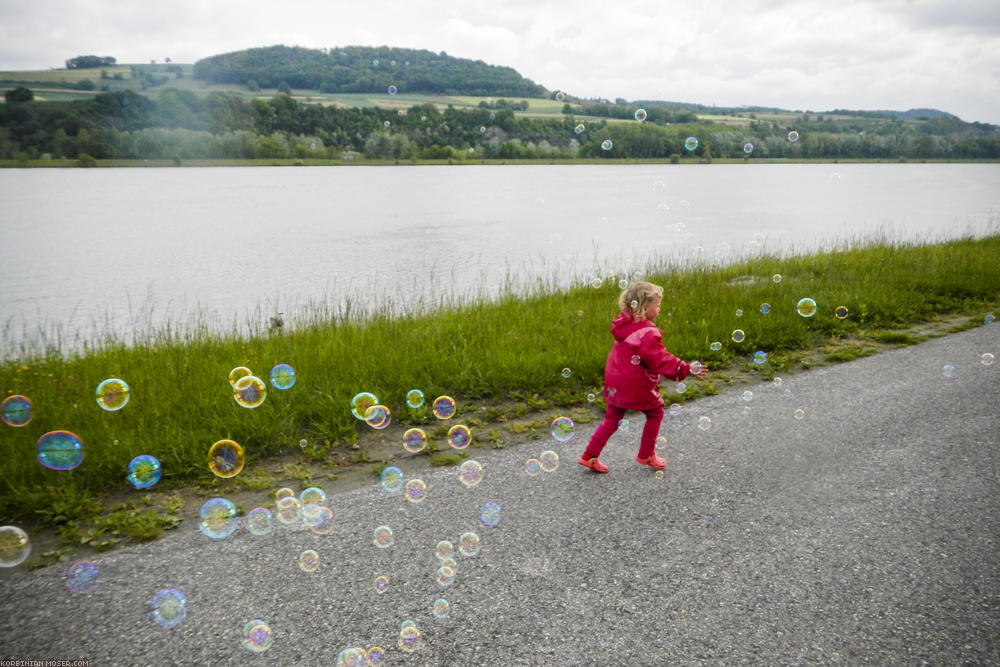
[{"x": 864, "y": 532}]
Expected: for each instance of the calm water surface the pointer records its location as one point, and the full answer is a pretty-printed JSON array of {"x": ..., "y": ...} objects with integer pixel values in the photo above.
[{"x": 92, "y": 250}]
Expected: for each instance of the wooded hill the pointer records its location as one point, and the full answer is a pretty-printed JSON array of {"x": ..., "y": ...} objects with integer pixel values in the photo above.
[{"x": 364, "y": 69}]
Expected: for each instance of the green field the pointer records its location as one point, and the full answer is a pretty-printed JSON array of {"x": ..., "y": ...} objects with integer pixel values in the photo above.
[{"x": 501, "y": 359}]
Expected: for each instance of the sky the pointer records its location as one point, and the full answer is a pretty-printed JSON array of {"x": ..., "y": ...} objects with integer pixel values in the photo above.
[{"x": 814, "y": 55}]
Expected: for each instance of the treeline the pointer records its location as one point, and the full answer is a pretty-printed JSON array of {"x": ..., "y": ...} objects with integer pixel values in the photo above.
[
  {"x": 363, "y": 69},
  {"x": 88, "y": 62},
  {"x": 181, "y": 125}
]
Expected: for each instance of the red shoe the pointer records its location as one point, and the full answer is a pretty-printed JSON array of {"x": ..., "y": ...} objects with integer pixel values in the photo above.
[
  {"x": 653, "y": 461},
  {"x": 594, "y": 464}
]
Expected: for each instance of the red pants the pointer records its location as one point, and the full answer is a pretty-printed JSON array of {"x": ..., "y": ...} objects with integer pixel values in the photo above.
[{"x": 610, "y": 424}]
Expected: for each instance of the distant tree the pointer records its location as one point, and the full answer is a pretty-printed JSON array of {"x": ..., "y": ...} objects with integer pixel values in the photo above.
[
  {"x": 166, "y": 60},
  {"x": 283, "y": 87},
  {"x": 90, "y": 62},
  {"x": 253, "y": 85},
  {"x": 84, "y": 84},
  {"x": 19, "y": 94}
]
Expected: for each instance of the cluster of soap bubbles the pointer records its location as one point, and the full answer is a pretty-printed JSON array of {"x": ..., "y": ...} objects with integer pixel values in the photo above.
[{"x": 547, "y": 461}]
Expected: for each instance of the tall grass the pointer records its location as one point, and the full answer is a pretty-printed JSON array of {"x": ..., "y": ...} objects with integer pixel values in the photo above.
[{"x": 489, "y": 348}]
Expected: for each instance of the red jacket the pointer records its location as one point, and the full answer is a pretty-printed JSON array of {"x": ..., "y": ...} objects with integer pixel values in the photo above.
[{"x": 635, "y": 364}]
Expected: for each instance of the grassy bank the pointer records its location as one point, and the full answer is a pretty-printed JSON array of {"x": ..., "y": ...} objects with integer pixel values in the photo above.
[{"x": 499, "y": 358}]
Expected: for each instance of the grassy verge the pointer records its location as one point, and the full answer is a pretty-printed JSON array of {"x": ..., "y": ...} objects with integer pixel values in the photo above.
[{"x": 501, "y": 359}]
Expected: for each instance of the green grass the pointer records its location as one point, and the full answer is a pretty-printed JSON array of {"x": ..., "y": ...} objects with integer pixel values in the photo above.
[{"x": 485, "y": 353}]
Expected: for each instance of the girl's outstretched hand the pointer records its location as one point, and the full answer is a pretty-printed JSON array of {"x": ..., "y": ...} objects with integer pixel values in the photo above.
[{"x": 699, "y": 370}]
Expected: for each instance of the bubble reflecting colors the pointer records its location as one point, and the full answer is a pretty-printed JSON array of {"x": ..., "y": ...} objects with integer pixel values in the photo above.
[
  {"x": 793, "y": 136},
  {"x": 444, "y": 550},
  {"x": 748, "y": 148},
  {"x": 257, "y": 636},
  {"x": 738, "y": 335},
  {"x": 566, "y": 372},
  {"x": 800, "y": 414},
  {"x": 636, "y": 360},
  {"x": 560, "y": 96},
  {"x": 352, "y": 657},
  {"x": 289, "y": 510},
  {"x": 691, "y": 143},
  {"x": 392, "y": 90},
  {"x": 313, "y": 496},
  {"x": 948, "y": 371},
  {"x": 776, "y": 278},
  {"x": 459, "y": 436},
  {"x": 591, "y": 398},
  {"x": 806, "y": 307},
  {"x": 409, "y": 639},
  {"x": 226, "y": 458},
  {"x": 760, "y": 357},
  {"x": 381, "y": 584},
  {"x": 440, "y": 608},
  {"x": 59, "y": 450},
  {"x": 680, "y": 387},
  {"x": 414, "y": 440},
  {"x": 392, "y": 479},
  {"x": 489, "y": 514},
  {"x": 378, "y": 417},
  {"x": 382, "y": 537},
  {"x": 675, "y": 409},
  {"x": 704, "y": 423},
  {"x": 415, "y": 490},
  {"x": 548, "y": 461},
  {"x": 532, "y": 467},
  {"x": 470, "y": 472},
  {"x": 259, "y": 521},
  {"x": 323, "y": 523},
  {"x": 15, "y": 547},
  {"x": 282, "y": 377},
  {"x": 144, "y": 471},
  {"x": 986, "y": 359},
  {"x": 360, "y": 404},
  {"x": 308, "y": 561},
  {"x": 468, "y": 544},
  {"x": 841, "y": 312},
  {"x": 640, "y": 115},
  {"x": 83, "y": 577},
  {"x": 169, "y": 607},
  {"x": 284, "y": 492},
  {"x": 249, "y": 391},
  {"x": 989, "y": 319},
  {"x": 607, "y": 145},
  {"x": 562, "y": 429},
  {"x": 112, "y": 394},
  {"x": 16, "y": 410},
  {"x": 219, "y": 518},
  {"x": 376, "y": 655},
  {"x": 443, "y": 407},
  {"x": 579, "y": 128},
  {"x": 239, "y": 372},
  {"x": 715, "y": 346},
  {"x": 414, "y": 398},
  {"x": 445, "y": 575},
  {"x": 765, "y": 308},
  {"x": 748, "y": 395}
]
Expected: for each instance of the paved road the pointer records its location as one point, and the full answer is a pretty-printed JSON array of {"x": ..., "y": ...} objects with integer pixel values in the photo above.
[{"x": 865, "y": 532}]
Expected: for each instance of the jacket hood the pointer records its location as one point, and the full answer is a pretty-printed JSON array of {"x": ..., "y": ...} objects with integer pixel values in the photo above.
[{"x": 625, "y": 324}]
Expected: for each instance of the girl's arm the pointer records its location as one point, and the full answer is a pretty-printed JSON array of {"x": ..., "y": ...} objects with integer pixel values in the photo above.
[{"x": 655, "y": 356}]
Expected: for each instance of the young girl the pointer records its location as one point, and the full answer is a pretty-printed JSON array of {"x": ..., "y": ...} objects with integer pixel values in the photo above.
[{"x": 632, "y": 374}]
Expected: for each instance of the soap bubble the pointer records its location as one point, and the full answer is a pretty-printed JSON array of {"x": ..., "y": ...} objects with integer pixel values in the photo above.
[
  {"x": 760, "y": 357},
  {"x": 806, "y": 307},
  {"x": 765, "y": 308},
  {"x": 607, "y": 145},
  {"x": 748, "y": 395},
  {"x": 468, "y": 544},
  {"x": 748, "y": 148},
  {"x": 715, "y": 346},
  {"x": 259, "y": 521},
  {"x": 392, "y": 479},
  {"x": 948, "y": 371},
  {"x": 470, "y": 473},
  {"x": 112, "y": 394},
  {"x": 414, "y": 440},
  {"x": 414, "y": 398},
  {"x": 249, "y": 391},
  {"x": 680, "y": 387},
  {"x": 560, "y": 96},
  {"x": 675, "y": 409},
  {"x": 289, "y": 510},
  {"x": 409, "y": 639},
  {"x": 239, "y": 372},
  {"x": 776, "y": 278},
  {"x": 257, "y": 636},
  {"x": 169, "y": 607},
  {"x": 562, "y": 429},
  {"x": 443, "y": 407},
  {"x": 322, "y": 522},
  {"x": 444, "y": 550},
  {"x": 489, "y": 515},
  {"x": 636, "y": 360},
  {"x": 579, "y": 128},
  {"x": 378, "y": 417},
  {"x": 284, "y": 492},
  {"x": 591, "y": 398},
  {"x": 841, "y": 312},
  {"x": 82, "y": 577},
  {"x": 660, "y": 443},
  {"x": 15, "y": 547},
  {"x": 144, "y": 471},
  {"x": 392, "y": 90},
  {"x": 381, "y": 584},
  {"x": 989, "y": 319},
  {"x": 445, "y": 576},
  {"x": 566, "y": 372},
  {"x": 793, "y": 136},
  {"x": 548, "y": 460},
  {"x": 739, "y": 312},
  {"x": 640, "y": 115},
  {"x": 623, "y": 424},
  {"x": 777, "y": 381},
  {"x": 313, "y": 496},
  {"x": 440, "y": 608},
  {"x": 459, "y": 436},
  {"x": 691, "y": 143},
  {"x": 415, "y": 490},
  {"x": 219, "y": 518},
  {"x": 59, "y": 450},
  {"x": 309, "y": 561},
  {"x": 738, "y": 335},
  {"x": 532, "y": 467},
  {"x": 226, "y": 458},
  {"x": 986, "y": 359},
  {"x": 360, "y": 404},
  {"x": 696, "y": 367},
  {"x": 16, "y": 410},
  {"x": 376, "y": 655},
  {"x": 282, "y": 377},
  {"x": 800, "y": 413},
  {"x": 386, "y": 123},
  {"x": 383, "y": 537},
  {"x": 704, "y": 423}
]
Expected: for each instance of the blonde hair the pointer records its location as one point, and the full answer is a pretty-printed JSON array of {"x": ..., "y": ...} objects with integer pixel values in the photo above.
[{"x": 638, "y": 296}]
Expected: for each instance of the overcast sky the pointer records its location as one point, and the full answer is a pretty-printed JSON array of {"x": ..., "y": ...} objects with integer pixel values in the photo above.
[{"x": 794, "y": 54}]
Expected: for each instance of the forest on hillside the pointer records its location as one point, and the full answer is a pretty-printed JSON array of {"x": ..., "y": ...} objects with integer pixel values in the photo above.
[{"x": 182, "y": 125}]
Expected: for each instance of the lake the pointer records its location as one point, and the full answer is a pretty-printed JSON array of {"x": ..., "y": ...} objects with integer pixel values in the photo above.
[{"x": 87, "y": 251}]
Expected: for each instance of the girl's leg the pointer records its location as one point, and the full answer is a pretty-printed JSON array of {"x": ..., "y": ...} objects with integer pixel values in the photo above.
[
  {"x": 604, "y": 431},
  {"x": 647, "y": 446}
]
